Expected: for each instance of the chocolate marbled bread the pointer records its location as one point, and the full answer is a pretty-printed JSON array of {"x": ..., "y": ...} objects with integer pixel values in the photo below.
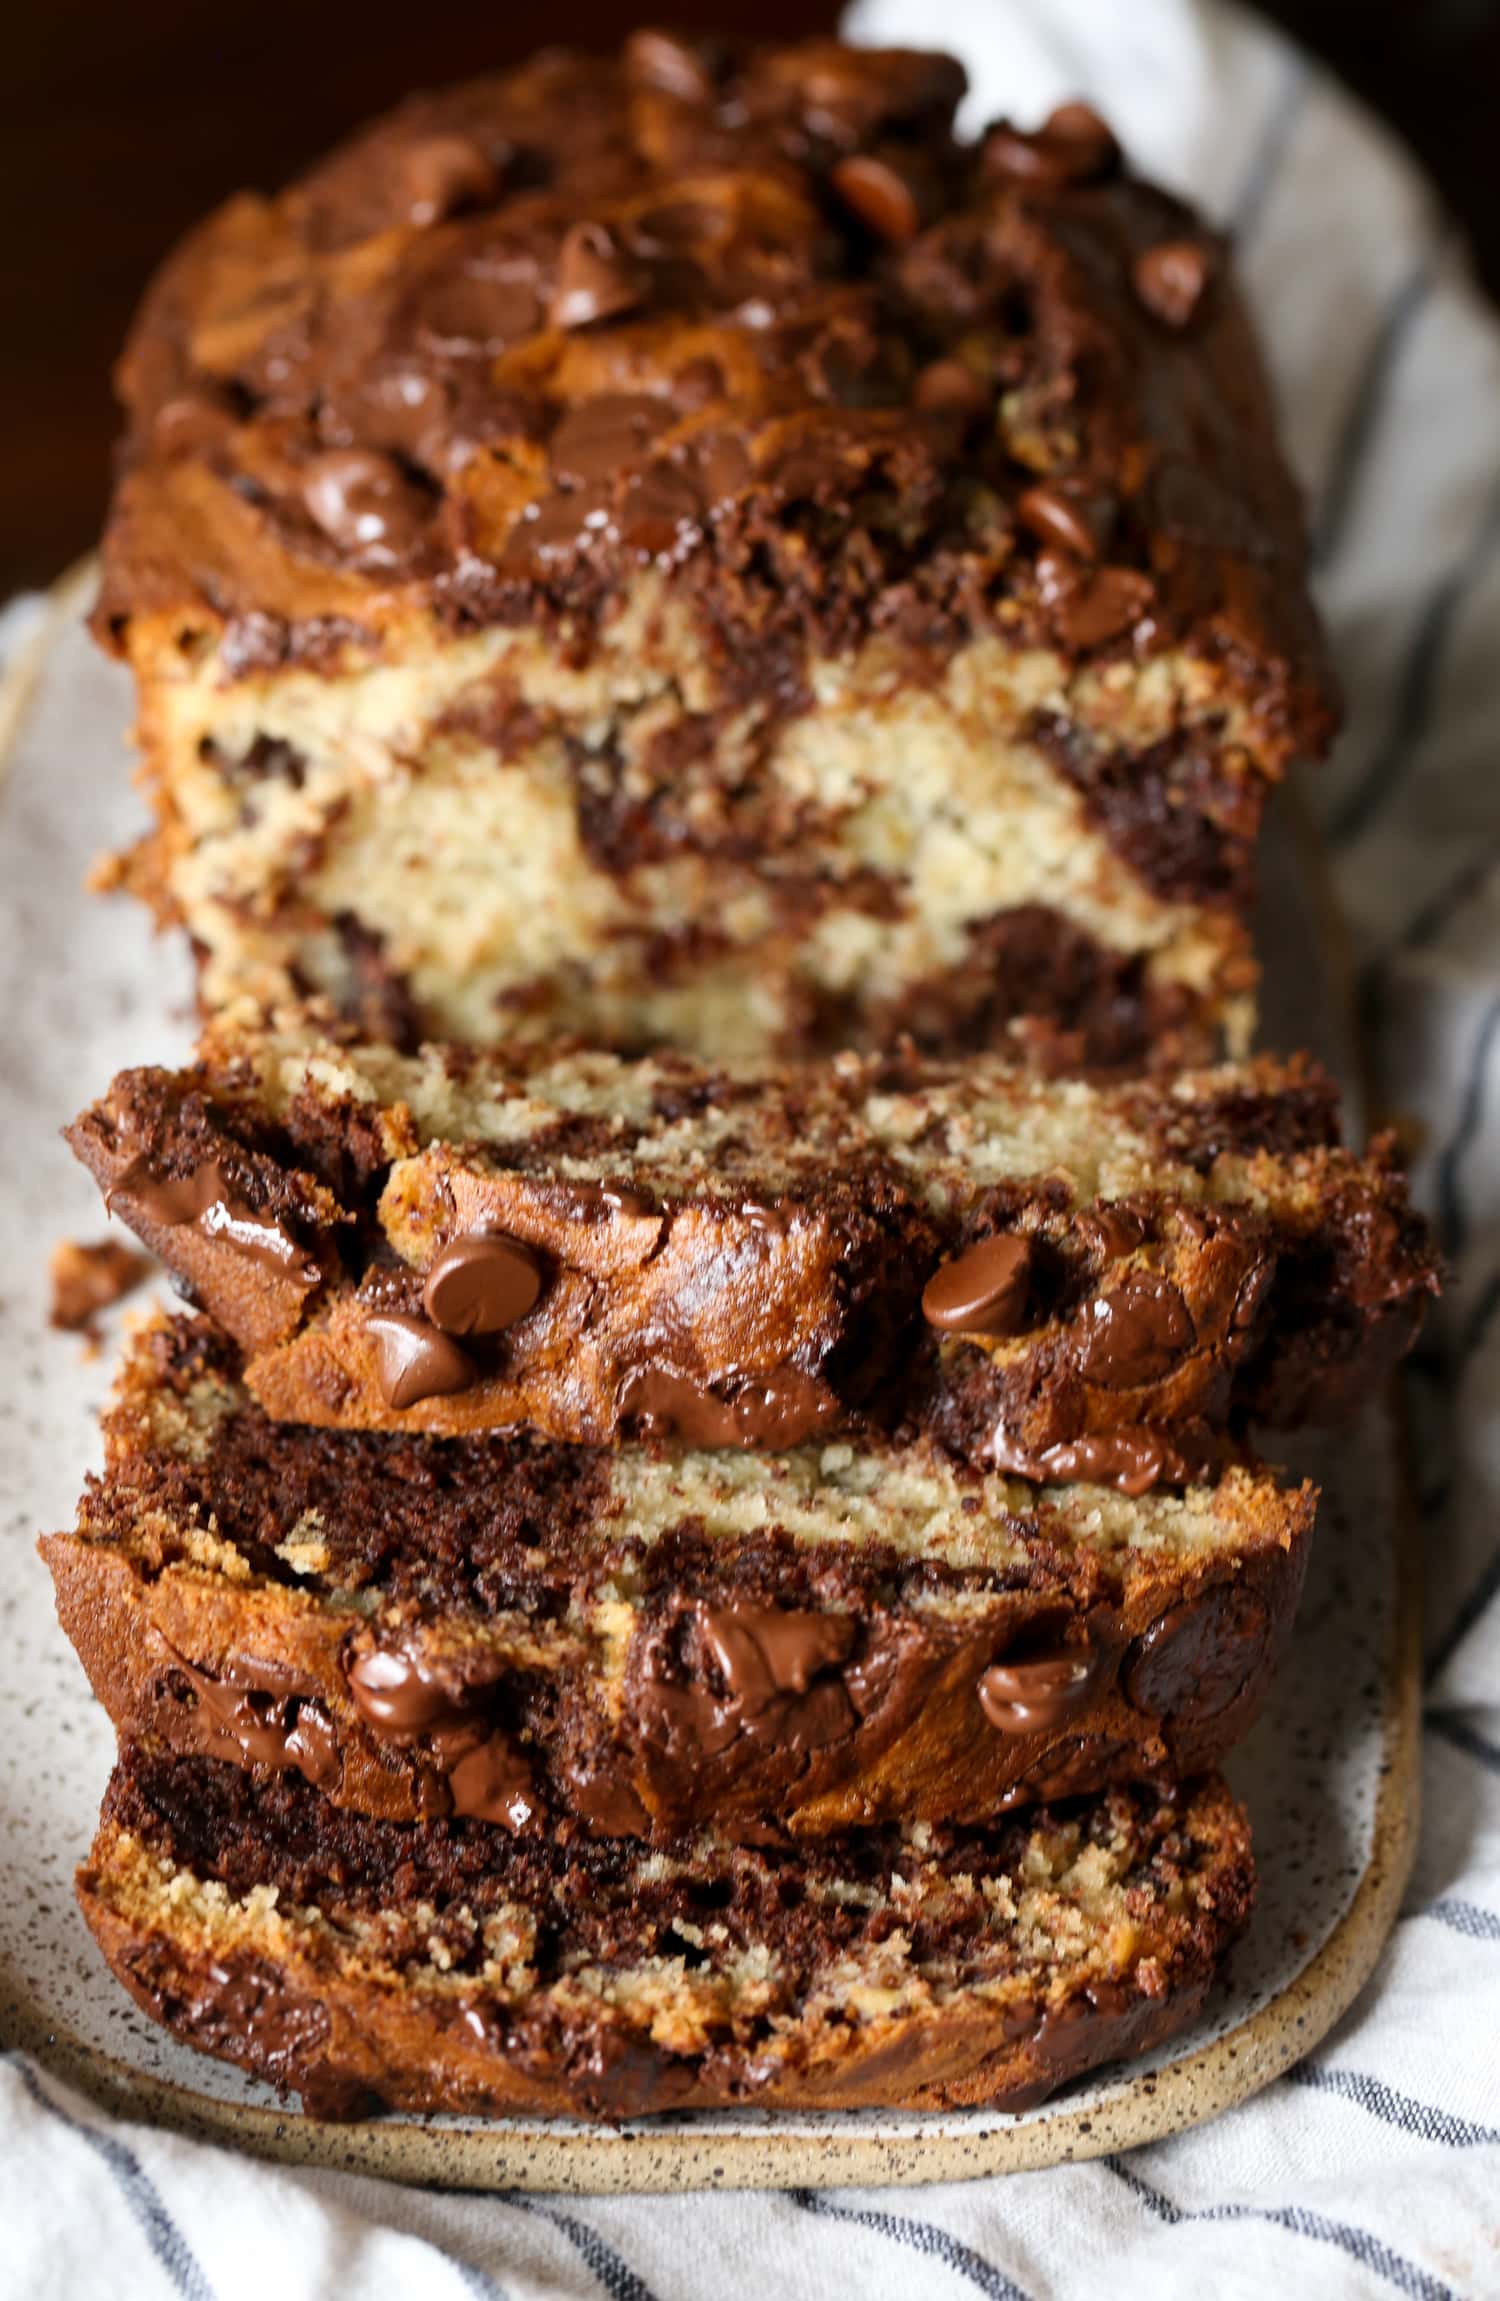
[
  {"x": 365, "y": 1964},
  {"x": 1054, "y": 1277},
  {"x": 678, "y": 549},
  {"x": 568, "y": 1641}
]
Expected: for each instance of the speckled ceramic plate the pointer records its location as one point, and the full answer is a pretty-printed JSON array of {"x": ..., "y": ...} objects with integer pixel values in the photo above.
[{"x": 1329, "y": 1773}]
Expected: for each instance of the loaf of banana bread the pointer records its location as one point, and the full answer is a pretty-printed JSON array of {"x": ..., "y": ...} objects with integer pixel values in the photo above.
[
  {"x": 446, "y": 1965},
  {"x": 681, "y": 549},
  {"x": 569, "y": 1641},
  {"x": 1059, "y": 1278}
]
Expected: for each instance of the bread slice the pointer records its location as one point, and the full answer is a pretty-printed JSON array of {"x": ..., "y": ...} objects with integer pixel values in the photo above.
[
  {"x": 443, "y": 1966},
  {"x": 569, "y": 1642},
  {"x": 1057, "y": 1277},
  {"x": 677, "y": 547}
]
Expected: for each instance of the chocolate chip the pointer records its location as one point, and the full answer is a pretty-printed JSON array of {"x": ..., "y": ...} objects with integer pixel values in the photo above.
[
  {"x": 482, "y": 1284},
  {"x": 1251, "y": 1298},
  {"x": 1200, "y": 1656},
  {"x": 477, "y": 311},
  {"x": 1170, "y": 279},
  {"x": 1031, "y": 1696},
  {"x": 364, "y": 504},
  {"x": 1072, "y": 146},
  {"x": 1091, "y": 609},
  {"x": 1063, "y": 515},
  {"x": 595, "y": 279},
  {"x": 983, "y": 1290},
  {"x": 1135, "y": 1334},
  {"x": 417, "y": 1361},
  {"x": 442, "y": 174},
  {"x": 599, "y": 438},
  {"x": 949, "y": 387},
  {"x": 876, "y": 190},
  {"x": 191, "y": 422},
  {"x": 396, "y": 1692},
  {"x": 671, "y": 66}
]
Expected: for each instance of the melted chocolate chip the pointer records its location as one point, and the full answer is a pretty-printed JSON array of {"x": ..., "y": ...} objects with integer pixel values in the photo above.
[
  {"x": 1135, "y": 1334},
  {"x": 879, "y": 193},
  {"x": 779, "y": 1410},
  {"x": 983, "y": 1290},
  {"x": 1089, "y": 608},
  {"x": 1132, "y": 1459},
  {"x": 950, "y": 387},
  {"x": 1062, "y": 516},
  {"x": 595, "y": 279},
  {"x": 193, "y": 422},
  {"x": 1032, "y": 1696},
  {"x": 364, "y": 504},
  {"x": 778, "y": 1684},
  {"x": 482, "y": 1284},
  {"x": 403, "y": 1699},
  {"x": 417, "y": 1361},
  {"x": 600, "y": 437},
  {"x": 1170, "y": 279},
  {"x": 207, "y": 1201},
  {"x": 492, "y": 1783},
  {"x": 1072, "y": 146},
  {"x": 1200, "y": 1655},
  {"x": 671, "y": 66},
  {"x": 396, "y": 1692},
  {"x": 441, "y": 174},
  {"x": 258, "y": 1714}
]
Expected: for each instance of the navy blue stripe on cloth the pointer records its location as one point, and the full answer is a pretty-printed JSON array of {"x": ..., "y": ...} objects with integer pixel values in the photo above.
[
  {"x": 1361, "y": 2245},
  {"x": 1413, "y": 711},
  {"x": 1453, "y": 1226},
  {"x": 1467, "y": 1918},
  {"x": 1463, "y": 1737},
  {"x": 1371, "y": 2094},
  {"x": 617, "y": 2277},
  {"x": 474, "y": 2280},
  {"x": 1366, "y": 404},
  {"x": 168, "y": 2245},
  {"x": 1271, "y": 149},
  {"x": 922, "y": 2237}
]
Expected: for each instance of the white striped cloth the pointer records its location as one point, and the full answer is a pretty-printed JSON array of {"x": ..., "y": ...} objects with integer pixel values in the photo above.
[{"x": 1375, "y": 2168}]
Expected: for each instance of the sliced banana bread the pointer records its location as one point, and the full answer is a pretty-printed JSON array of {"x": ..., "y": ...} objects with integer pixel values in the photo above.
[
  {"x": 1055, "y": 1277},
  {"x": 446, "y": 1966},
  {"x": 572, "y": 1641}
]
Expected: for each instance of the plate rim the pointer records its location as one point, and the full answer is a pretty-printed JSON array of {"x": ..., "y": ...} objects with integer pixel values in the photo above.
[{"x": 532, "y": 2155}]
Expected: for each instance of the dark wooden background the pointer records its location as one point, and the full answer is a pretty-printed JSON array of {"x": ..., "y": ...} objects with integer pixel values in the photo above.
[{"x": 127, "y": 118}]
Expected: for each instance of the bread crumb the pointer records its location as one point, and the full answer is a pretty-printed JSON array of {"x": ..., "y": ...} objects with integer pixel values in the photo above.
[{"x": 89, "y": 1278}]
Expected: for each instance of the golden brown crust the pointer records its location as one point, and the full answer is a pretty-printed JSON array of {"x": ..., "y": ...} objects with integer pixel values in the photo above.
[{"x": 522, "y": 336}]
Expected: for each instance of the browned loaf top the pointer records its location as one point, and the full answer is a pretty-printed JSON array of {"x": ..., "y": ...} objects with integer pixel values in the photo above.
[
  {"x": 366, "y": 1964},
  {"x": 750, "y": 316},
  {"x": 1059, "y": 1278},
  {"x": 570, "y": 1641},
  {"x": 677, "y": 549}
]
